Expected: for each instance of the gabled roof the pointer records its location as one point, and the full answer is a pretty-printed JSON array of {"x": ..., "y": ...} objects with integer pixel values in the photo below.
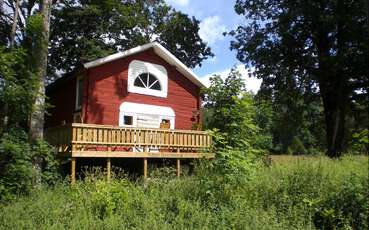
[{"x": 159, "y": 50}]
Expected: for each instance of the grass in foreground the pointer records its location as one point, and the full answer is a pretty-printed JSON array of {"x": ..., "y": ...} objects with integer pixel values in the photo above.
[{"x": 307, "y": 193}]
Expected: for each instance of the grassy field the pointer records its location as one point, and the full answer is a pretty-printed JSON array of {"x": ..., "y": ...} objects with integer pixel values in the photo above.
[
  {"x": 293, "y": 193},
  {"x": 288, "y": 159}
]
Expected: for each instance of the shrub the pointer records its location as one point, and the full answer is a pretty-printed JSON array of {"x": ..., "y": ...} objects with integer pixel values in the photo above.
[
  {"x": 18, "y": 176},
  {"x": 360, "y": 142},
  {"x": 296, "y": 147}
]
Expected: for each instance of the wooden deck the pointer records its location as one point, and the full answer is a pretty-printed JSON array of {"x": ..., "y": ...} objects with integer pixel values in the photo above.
[
  {"x": 86, "y": 140},
  {"x": 90, "y": 140}
]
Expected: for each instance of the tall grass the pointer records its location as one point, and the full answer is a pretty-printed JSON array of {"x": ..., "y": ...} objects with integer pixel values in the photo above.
[{"x": 304, "y": 194}]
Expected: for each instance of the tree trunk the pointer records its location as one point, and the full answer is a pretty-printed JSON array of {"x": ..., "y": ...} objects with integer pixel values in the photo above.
[
  {"x": 37, "y": 116},
  {"x": 335, "y": 113},
  {"x": 15, "y": 23},
  {"x": 333, "y": 85}
]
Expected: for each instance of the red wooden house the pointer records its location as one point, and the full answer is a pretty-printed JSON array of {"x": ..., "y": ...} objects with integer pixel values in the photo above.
[{"x": 143, "y": 103}]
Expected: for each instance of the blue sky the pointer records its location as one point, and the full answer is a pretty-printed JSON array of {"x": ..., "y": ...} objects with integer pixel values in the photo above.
[{"x": 216, "y": 16}]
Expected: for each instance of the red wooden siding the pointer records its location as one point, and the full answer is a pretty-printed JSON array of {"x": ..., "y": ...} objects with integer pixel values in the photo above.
[
  {"x": 107, "y": 89},
  {"x": 61, "y": 98}
]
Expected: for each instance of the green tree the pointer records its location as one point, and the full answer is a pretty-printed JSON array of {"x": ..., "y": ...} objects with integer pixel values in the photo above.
[
  {"x": 305, "y": 44},
  {"x": 16, "y": 94},
  {"x": 86, "y": 30},
  {"x": 83, "y": 30},
  {"x": 230, "y": 109},
  {"x": 294, "y": 116}
]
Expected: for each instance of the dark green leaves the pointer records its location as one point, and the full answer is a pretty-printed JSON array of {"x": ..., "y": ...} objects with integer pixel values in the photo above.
[{"x": 85, "y": 30}]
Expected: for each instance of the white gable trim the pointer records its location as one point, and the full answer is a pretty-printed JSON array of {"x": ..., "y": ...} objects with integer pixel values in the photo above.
[{"x": 160, "y": 51}]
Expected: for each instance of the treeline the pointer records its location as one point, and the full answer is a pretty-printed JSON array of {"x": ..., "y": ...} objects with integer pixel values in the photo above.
[
  {"x": 275, "y": 124},
  {"x": 313, "y": 59}
]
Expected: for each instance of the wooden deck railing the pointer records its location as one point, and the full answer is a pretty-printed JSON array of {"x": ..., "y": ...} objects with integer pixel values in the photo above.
[{"x": 88, "y": 140}]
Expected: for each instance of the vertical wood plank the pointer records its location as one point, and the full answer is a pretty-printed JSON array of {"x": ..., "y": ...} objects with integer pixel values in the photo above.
[
  {"x": 178, "y": 168},
  {"x": 145, "y": 168},
  {"x": 73, "y": 171},
  {"x": 108, "y": 169}
]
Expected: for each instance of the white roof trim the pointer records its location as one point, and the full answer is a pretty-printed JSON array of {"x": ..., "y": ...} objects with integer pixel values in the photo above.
[
  {"x": 159, "y": 50},
  {"x": 136, "y": 108}
]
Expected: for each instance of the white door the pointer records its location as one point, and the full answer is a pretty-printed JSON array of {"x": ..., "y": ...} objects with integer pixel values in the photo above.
[
  {"x": 145, "y": 116},
  {"x": 148, "y": 121}
]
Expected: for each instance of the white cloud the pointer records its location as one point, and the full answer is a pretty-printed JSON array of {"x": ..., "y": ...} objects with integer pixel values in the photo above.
[
  {"x": 211, "y": 29},
  {"x": 252, "y": 83},
  {"x": 178, "y": 2}
]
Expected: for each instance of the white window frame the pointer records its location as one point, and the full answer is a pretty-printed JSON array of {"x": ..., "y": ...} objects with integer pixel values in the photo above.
[
  {"x": 137, "y": 67},
  {"x": 78, "y": 104}
]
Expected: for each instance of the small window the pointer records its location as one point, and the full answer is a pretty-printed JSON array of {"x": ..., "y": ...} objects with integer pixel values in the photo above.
[
  {"x": 79, "y": 92},
  {"x": 148, "y": 81},
  {"x": 165, "y": 124},
  {"x": 165, "y": 121},
  {"x": 128, "y": 120}
]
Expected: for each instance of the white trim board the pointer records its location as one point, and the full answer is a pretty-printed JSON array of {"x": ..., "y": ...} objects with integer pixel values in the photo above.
[{"x": 160, "y": 51}]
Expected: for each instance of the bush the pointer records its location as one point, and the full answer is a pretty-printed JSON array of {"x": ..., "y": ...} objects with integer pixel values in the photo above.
[
  {"x": 18, "y": 176},
  {"x": 360, "y": 142},
  {"x": 296, "y": 147}
]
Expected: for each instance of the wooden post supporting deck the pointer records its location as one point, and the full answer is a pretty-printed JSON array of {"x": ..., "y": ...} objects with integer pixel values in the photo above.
[
  {"x": 108, "y": 169},
  {"x": 145, "y": 167},
  {"x": 73, "y": 171},
  {"x": 178, "y": 167}
]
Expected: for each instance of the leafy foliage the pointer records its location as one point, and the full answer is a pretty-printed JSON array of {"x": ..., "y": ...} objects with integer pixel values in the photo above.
[
  {"x": 17, "y": 173},
  {"x": 307, "y": 48},
  {"x": 16, "y": 157},
  {"x": 230, "y": 110},
  {"x": 16, "y": 84},
  {"x": 360, "y": 141},
  {"x": 86, "y": 30}
]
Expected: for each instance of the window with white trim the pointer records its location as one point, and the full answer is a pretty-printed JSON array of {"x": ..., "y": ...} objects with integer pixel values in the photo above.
[
  {"x": 128, "y": 120},
  {"x": 79, "y": 92},
  {"x": 147, "y": 78}
]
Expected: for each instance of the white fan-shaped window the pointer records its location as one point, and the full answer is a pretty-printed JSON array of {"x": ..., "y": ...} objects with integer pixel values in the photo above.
[
  {"x": 148, "y": 81},
  {"x": 147, "y": 78}
]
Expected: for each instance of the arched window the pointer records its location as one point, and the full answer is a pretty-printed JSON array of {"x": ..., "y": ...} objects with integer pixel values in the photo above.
[
  {"x": 147, "y": 78},
  {"x": 147, "y": 81}
]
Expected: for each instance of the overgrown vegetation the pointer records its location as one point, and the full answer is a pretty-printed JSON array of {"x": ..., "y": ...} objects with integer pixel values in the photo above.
[
  {"x": 228, "y": 193},
  {"x": 18, "y": 175}
]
